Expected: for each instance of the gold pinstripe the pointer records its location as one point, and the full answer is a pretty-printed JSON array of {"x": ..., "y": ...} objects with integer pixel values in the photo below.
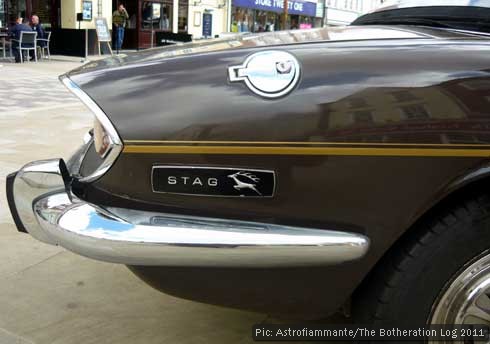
[
  {"x": 151, "y": 142},
  {"x": 445, "y": 151}
]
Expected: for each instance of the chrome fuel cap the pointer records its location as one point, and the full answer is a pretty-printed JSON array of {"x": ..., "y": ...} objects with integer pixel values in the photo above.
[{"x": 269, "y": 74}]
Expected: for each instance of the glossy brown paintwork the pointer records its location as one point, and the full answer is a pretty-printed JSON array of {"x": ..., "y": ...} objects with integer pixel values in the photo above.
[{"x": 430, "y": 88}]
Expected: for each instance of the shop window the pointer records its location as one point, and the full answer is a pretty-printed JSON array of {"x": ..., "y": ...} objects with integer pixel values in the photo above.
[
  {"x": 156, "y": 16},
  {"x": 16, "y": 8},
  {"x": 131, "y": 7},
  {"x": 183, "y": 14},
  {"x": 293, "y": 22},
  {"x": 242, "y": 20},
  {"x": 249, "y": 20},
  {"x": 3, "y": 19},
  {"x": 305, "y": 22},
  {"x": 42, "y": 8},
  {"x": 266, "y": 21}
]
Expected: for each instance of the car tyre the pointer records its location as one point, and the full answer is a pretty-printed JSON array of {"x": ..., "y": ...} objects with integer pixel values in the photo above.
[{"x": 406, "y": 286}]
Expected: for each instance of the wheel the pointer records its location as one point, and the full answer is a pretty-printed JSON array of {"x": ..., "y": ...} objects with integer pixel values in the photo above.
[
  {"x": 438, "y": 274},
  {"x": 466, "y": 300}
]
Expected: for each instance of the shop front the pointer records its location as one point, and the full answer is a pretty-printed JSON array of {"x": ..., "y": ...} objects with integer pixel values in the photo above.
[
  {"x": 266, "y": 15},
  {"x": 3, "y": 14},
  {"x": 148, "y": 17},
  {"x": 46, "y": 10}
]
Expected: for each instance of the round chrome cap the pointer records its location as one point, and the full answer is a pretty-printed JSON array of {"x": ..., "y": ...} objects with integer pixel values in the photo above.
[{"x": 269, "y": 74}]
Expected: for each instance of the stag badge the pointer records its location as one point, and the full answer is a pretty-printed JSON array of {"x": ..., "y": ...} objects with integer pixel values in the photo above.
[
  {"x": 245, "y": 180},
  {"x": 213, "y": 181}
]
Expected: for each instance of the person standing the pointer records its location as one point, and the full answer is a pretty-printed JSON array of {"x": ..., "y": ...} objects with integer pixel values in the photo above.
[{"x": 120, "y": 19}]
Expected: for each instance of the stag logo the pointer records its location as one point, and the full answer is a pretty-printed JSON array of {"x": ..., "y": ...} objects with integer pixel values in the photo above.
[
  {"x": 245, "y": 180},
  {"x": 213, "y": 181}
]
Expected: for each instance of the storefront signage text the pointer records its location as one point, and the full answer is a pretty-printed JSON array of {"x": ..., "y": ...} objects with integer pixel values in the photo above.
[
  {"x": 292, "y": 5},
  {"x": 307, "y": 8},
  {"x": 207, "y": 24},
  {"x": 103, "y": 33}
]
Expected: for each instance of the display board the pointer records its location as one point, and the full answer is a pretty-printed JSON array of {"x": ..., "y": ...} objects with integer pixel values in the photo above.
[
  {"x": 87, "y": 10},
  {"x": 103, "y": 33},
  {"x": 207, "y": 25}
]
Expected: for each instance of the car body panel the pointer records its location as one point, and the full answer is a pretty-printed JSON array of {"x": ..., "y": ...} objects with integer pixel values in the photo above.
[
  {"x": 318, "y": 129},
  {"x": 376, "y": 133},
  {"x": 403, "y": 119}
]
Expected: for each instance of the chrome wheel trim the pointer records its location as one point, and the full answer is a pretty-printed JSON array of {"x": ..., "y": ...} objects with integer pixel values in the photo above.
[{"x": 466, "y": 300}]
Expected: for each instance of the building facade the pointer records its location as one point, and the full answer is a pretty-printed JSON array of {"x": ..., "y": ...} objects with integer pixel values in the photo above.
[
  {"x": 267, "y": 15},
  {"x": 147, "y": 17},
  {"x": 199, "y": 18},
  {"x": 343, "y": 12},
  {"x": 47, "y": 10},
  {"x": 208, "y": 18}
]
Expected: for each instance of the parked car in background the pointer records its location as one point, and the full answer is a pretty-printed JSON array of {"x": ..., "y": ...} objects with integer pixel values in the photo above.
[{"x": 292, "y": 173}]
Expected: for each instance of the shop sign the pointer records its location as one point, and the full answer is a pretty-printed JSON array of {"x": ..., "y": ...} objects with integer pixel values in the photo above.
[
  {"x": 156, "y": 10},
  {"x": 320, "y": 8},
  {"x": 207, "y": 24},
  {"x": 302, "y": 7},
  {"x": 103, "y": 33},
  {"x": 87, "y": 10}
]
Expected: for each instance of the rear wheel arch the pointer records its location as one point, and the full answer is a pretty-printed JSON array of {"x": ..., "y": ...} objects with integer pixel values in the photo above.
[
  {"x": 467, "y": 196},
  {"x": 469, "y": 184}
]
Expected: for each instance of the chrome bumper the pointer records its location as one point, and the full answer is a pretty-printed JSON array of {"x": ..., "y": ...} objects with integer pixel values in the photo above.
[{"x": 40, "y": 198}]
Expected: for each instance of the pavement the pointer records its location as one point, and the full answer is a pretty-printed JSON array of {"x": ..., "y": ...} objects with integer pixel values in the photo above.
[{"x": 49, "y": 295}]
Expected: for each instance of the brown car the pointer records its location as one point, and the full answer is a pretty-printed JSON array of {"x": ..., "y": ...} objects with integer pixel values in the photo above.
[{"x": 297, "y": 172}]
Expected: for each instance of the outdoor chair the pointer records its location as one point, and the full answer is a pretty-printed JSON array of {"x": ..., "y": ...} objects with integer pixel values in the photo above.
[
  {"x": 43, "y": 45},
  {"x": 26, "y": 42},
  {"x": 5, "y": 45}
]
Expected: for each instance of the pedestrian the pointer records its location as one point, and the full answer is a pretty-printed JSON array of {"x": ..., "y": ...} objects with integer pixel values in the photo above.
[
  {"x": 20, "y": 26},
  {"x": 120, "y": 19}
]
